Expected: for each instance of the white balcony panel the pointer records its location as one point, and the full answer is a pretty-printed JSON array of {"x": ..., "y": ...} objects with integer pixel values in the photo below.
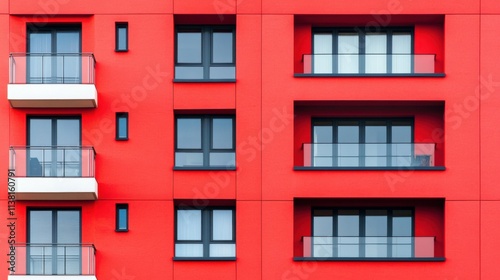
[
  {"x": 52, "y": 95},
  {"x": 57, "y": 188}
]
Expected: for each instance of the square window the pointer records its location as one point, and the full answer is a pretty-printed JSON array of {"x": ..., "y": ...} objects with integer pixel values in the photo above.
[
  {"x": 205, "y": 141},
  {"x": 121, "y": 44},
  {"x": 121, "y": 217},
  {"x": 205, "y": 53},
  {"x": 205, "y": 233},
  {"x": 121, "y": 126}
]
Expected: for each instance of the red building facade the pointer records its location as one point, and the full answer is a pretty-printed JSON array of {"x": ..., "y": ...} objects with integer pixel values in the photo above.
[{"x": 249, "y": 139}]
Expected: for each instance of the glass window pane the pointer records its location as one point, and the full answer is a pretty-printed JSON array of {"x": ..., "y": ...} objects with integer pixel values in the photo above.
[
  {"x": 188, "y": 72},
  {"x": 323, "y": 63},
  {"x": 222, "y": 47},
  {"x": 122, "y": 37},
  {"x": 188, "y": 47},
  {"x": 222, "y": 133},
  {"x": 376, "y": 53},
  {"x": 68, "y": 65},
  {"x": 401, "y": 134},
  {"x": 222, "y": 159},
  {"x": 222, "y": 250},
  {"x": 348, "y": 49},
  {"x": 348, "y": 154},
  {"x": 222, "y": 225},
  {"x": 348, "y": 223},
  {"x": 323, "y": 134},
  {"x": 376, "y": 223},
  {"x": 188, "y": 133},
  {"x": 188, "y": 159},
  {"x": 68, "y": 132},
  {"x": 40, "y": 230},
  {"x": 188, "y": 225},
  {"x": 401, "y": 49},
  {"x": 323, "y": 226},
  {"x": 68, "y": 227},
  {"x": 122, "y": 217},
  {"x": 402, "y": 223},
  {"x": 188, "y": 250},
  {"x": 223, "y": 72},
  {"x": 122, "y": 126}
]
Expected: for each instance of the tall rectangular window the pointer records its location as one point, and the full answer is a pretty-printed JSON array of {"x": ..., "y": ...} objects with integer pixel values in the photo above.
[
  {"x": 121, "y": 37},
  {"x": 205, "y": 141},
  {"x": 357, "y": 51},
  {"x": 205, "y": 53},
  {"x": 205, "y": 233},
  {"x": 121, "y": 126},
  {"x": 121, "y": 217}
]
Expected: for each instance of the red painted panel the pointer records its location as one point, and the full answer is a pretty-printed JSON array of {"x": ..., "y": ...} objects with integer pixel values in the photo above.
[
  {"x": 487, "y": 93},
  {"x": 204, "y": 185},
  {"x": 382, "y": 7}
]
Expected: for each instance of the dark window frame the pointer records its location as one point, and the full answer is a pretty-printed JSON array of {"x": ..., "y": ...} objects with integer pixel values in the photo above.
[
  {"x": 334, "y": 123},
  {"x": 206, "y": 32},
  {"x": 206, "y": 232},
  {"x": 118, "y": 116},
  {"x": 118, "y": 26},
  {"x": 362, "y": 225},
  {"x": 206, "y": 141},
  {"x": 118, "y": 207},
  {"x": 361, "y": 32}
]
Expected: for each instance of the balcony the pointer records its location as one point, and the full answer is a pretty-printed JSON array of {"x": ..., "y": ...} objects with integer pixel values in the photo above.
[
  {"x": 52, "y": 80},
  {"x": 382, "y": 156},
  {"x": 52, "y": 261},
  {"x": 54, "y": 173},
  {"x": 377, "y": 248},
  {"x": 369, "y": 65}
]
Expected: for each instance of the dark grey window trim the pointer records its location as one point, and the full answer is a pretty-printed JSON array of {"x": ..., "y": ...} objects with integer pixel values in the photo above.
[
  {"x": 361, "y": 32},
  {"x": 206, "y": 233},
  {"x": 118, "y": 117},
  {"x": 121, "y": 206},
  {"x": 206, "y": 142},
  {"x": 118, "y": 26},
  {"x": 206, "y": 32}
]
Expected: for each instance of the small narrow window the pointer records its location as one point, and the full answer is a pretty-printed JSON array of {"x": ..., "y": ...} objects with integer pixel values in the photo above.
[
  {"x": 121, "y": 217},
  {"x": 121, "y": 37},
  {"x": 121, "y": 126}
]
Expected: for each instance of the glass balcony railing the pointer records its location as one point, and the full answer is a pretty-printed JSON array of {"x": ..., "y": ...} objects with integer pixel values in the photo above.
[
  {"x": 369, "y": 154},
  {"x": 53, "y": 259},
  {"x": 368, "y": 64},
  {"x": 368, "y": 247},
  {"x": 33, "y": 161},
  {"x": 49, "y": 68}
]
